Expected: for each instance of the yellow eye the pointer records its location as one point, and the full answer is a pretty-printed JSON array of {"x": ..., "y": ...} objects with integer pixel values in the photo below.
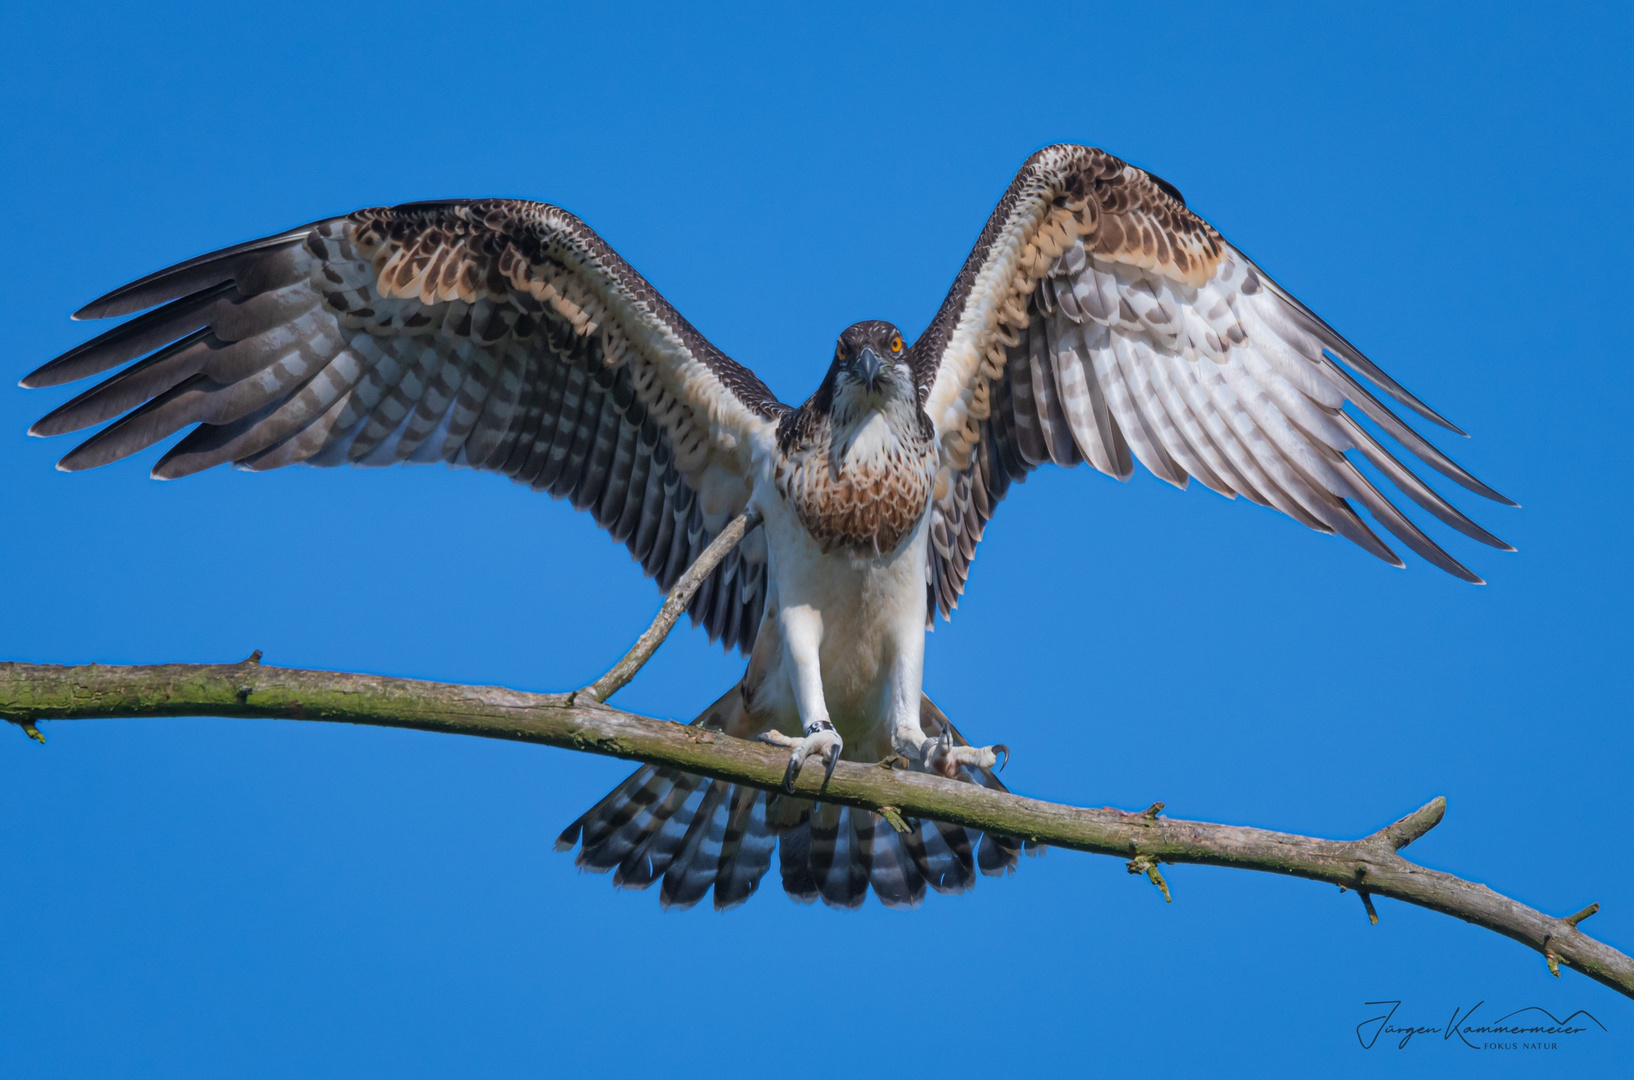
[
  {"x": 896, "y": 343},
  {"x": 839, "y": 350}
]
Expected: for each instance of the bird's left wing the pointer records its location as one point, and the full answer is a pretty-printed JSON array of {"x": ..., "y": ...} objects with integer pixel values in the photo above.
[
  {"x": 1098, "y": 319},
  {"x": 497, "y": 334}
]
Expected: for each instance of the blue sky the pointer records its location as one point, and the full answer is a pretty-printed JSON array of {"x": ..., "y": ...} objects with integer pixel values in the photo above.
[{"x": 203, "y": 897}]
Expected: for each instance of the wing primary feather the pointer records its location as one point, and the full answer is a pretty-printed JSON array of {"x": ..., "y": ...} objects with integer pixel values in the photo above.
[
  {"x": 1336, "y": 342},
  {"x": 1239, "y": 436},
  {"x": 308, "y": 438},
  {"x": 209, "y": 445},
  {"x": 194, "y": 275},
  {"x": 1413, "y": 487},
  {"x": 129, "y": 388},
  {"x": 1198, "y": 457},
  {"x": 1401, "y": 525},
  {"x": 140, "y": 428},
  {"x": 1191, "y": 406},
  {"x": 129, "y": 340},
  {"x": 1343, "y": 519},
  {"x": 307, "y": 417},
  {"x": 1376, "y": 411}
]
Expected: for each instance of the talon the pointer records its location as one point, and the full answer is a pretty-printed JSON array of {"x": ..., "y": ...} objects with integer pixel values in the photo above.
[
  {"x": 823, "y": 742},
  {"x": 940, "y": 756}
]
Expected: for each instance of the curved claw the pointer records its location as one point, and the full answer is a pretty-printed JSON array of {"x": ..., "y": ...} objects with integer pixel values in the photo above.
[
  {"x": 1000, "y": 748},
  {"x": 833, "y": 756},
  {"x": 791, "y": 772}
]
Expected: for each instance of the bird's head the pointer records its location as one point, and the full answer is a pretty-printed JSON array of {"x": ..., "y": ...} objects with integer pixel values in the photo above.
[{"x": 871, "y": 367}]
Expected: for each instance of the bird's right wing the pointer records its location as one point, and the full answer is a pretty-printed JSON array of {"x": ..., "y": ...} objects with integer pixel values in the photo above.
[{"x": 496, "y": 334}]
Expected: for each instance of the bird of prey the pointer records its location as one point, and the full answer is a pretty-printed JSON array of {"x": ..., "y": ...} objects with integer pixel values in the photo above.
[{"x": 1097, "y": 319}]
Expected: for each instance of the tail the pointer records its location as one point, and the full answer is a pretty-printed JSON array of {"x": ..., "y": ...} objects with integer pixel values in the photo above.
[{"x": 694, "y": 833}]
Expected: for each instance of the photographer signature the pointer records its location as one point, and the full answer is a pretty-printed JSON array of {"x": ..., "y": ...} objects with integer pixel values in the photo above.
[{"x": 1530, "y": 1028}]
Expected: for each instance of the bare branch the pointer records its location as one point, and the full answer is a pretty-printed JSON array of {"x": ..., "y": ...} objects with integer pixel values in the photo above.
[
  {"x": 1581, "y": 915},
  {"x": 1401, "y": 833},
  {"x": 1367, "y": 906},
  {"x": 675, "y": 603},
  {"x": 31, "y": 693}
]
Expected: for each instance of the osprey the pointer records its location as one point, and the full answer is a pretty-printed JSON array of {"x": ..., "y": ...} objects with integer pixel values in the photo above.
[{"x": 1097, "y": 319}]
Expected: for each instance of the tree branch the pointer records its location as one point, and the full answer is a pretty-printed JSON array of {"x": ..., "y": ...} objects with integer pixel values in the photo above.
[
  {"x": 30, "y": 693},
  {"x": 676, "y": 602}
]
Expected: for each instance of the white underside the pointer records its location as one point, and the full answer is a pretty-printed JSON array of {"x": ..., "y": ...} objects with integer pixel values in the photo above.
[{"x": 843, "y": 638}]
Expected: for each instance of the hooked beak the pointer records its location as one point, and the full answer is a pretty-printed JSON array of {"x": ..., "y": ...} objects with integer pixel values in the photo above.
[{"x": 869, "y": 368}]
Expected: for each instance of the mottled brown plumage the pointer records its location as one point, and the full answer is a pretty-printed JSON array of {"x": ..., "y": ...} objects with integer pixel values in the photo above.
[
  {"x": 861, "y": 505},
  {"x": 1097, "y": 319},
  {"x": 856, "y": 486}
]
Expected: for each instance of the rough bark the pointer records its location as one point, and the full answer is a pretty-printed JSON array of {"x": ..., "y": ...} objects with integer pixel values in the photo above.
[{"x": 1372, "y": 865}]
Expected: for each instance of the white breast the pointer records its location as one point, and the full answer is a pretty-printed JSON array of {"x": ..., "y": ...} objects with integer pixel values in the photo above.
[{"x": 870, "y": 609}]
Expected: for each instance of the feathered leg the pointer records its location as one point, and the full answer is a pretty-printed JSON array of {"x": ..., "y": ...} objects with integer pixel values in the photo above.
[{"x": 801, "y": 631}]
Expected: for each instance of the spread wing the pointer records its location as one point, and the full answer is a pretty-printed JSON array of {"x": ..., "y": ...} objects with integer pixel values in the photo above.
[
  {"x": 1098, "y": 319},
  {"x": 498, "y": 334}
]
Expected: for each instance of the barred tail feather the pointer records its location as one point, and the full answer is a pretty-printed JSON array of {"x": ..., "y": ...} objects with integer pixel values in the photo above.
[
  {"x": 694, "y": 834},
  {"x": 897, "y": 879},
  {"x": 693, "y": 871},
  {"x": 746, "y": 854}
]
